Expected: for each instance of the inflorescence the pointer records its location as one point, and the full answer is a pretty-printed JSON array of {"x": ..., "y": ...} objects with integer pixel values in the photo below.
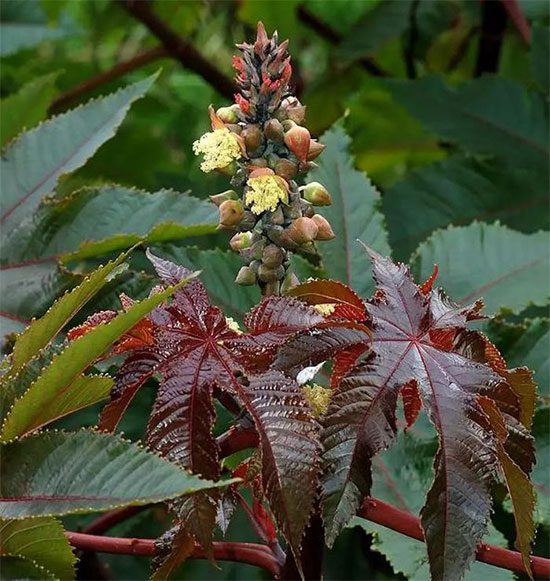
[{"x": 259, "y": 141}]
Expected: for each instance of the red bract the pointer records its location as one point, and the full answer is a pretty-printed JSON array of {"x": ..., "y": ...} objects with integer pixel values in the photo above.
[{"x": 419, "y": 338}]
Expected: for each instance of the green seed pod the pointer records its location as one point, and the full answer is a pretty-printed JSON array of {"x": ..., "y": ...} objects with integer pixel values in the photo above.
[
  {"x": 317, "y": 194},
  {"x": 253, "y": 137},
  {"x": 245, "y": 276},
  {"x": 274, "y": 232},
  {"x": 267, "y": 274},
  {"x": 324, "y": 229},
  {"x": 241, "y": 240},
  {"x": 277, "y": 217},
  {"x": 258, "y": 162},
  {"x": 303, "y": 230},
  {"x": 228, "y": 114},
  {"x": 248, "y": 221},
  {"x": 315, "y": 149}
]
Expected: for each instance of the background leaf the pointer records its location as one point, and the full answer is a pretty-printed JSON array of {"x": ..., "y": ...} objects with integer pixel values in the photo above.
[
  {"x": 354, "y": 214},
  {"x": 490, "y": 115},
  {"x": 57, "y": 147},
  {"x": 27, "y": 107},
  {"x": 504, "y": 267},
  {"x": 459, "y": 191}
]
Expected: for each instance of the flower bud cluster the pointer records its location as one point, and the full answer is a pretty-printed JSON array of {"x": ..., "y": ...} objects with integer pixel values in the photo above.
[{"x": 261, "y": 143}]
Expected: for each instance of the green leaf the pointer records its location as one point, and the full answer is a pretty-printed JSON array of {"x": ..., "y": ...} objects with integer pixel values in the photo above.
[
  {"x": 29, "y": 289},
  {"x": 58, "y": 390},
  {"x": 504, "y": 267},
  {"x": 13, "y": 387},
  {"x": 21, "y": 569},
  {"x": 386, "y": 138},
  {"x": 385, "y": 21},
  {"x": 39, "y": 333},
  {"x": 23, "y": 24},
  {"x": 459, "y": 191},
  {"x": 526, "y": 343},
  {"x": 32, "y": 164},
  {"x": 354, "y": 214},
  {"x": 541, "y": 470},
  {"x": 409, "y": 557},
  {"x": 27, "y": 107},
  {"x": 41, "y": 540},
  {"x": 96, "y": 221},
  {"x": 489, "y": 115},
  {"x": 86, "y": 472},
  {"x": 540, "y": 55}
]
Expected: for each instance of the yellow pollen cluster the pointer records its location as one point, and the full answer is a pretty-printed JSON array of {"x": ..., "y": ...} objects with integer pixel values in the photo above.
[
  {"x": 219, "y": 147},
  {"x": 317, "y": 397},
  {"x": 265, "y": 193},
  {"x": 325, "y": 308},
  {"x": 233, "y": 325}
]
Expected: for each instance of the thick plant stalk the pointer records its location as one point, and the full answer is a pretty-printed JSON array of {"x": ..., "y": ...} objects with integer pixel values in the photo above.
[
  {"x": 250, "y": 553},
  {"x": 409, "y": 525},
  {"x": 375, "y": 510}
]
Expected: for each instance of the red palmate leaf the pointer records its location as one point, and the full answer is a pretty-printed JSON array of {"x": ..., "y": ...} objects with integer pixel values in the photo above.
[
  {"x": 418, "y": 335},
  {"x": 195, "y": 350}
]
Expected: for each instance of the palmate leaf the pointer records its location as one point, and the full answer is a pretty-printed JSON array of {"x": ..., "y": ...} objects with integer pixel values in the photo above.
[
  {"x": 194, "y": 350},
  {"x": 41, "y": 540},
  {"x": 459, "y": 191},
  {"x": 96, "y": 221},
  {"x": 506, "y": 268},
  {"x": 58, "y": 146},
  {"x": 354, "y": 213},
  {"x": 85, "y": 472},
  {"x": 418, "y": 334},
  {"x": 488, "y": 115},
  {"x": 27, "y": 107}
]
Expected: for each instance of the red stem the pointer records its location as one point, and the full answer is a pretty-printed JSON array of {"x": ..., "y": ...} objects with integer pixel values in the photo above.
[
  {"x": 409, "y": 525},
  {"x": 237, "y": 439},
  {"x": 250, "y": 553}
]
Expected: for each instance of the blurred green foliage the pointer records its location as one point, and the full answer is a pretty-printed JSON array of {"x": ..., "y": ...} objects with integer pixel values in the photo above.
[{"x": 394, "y": 83}]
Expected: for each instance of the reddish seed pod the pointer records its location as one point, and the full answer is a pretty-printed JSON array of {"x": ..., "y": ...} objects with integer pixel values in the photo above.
[
  {"x": 315, "y": 149},
  {"x": 231, "y": 213},
  {"x": 303, "y": 230},
  {"x": 324, "y": 229},
  {"x": 297, "y": 139}
]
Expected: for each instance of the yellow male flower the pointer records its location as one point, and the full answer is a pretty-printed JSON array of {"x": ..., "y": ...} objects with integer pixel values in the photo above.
[
  {"x": 219, "y": 147},
  {"x": 233, "y": 325},
  {"x": 317, "y": 397},
  {"x": 265, "y": 192},
  {"x": 325, "y": 309}
]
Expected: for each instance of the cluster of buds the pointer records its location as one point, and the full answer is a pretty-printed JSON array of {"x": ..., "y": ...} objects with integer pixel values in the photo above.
[{"x": 260, "y": 142}]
